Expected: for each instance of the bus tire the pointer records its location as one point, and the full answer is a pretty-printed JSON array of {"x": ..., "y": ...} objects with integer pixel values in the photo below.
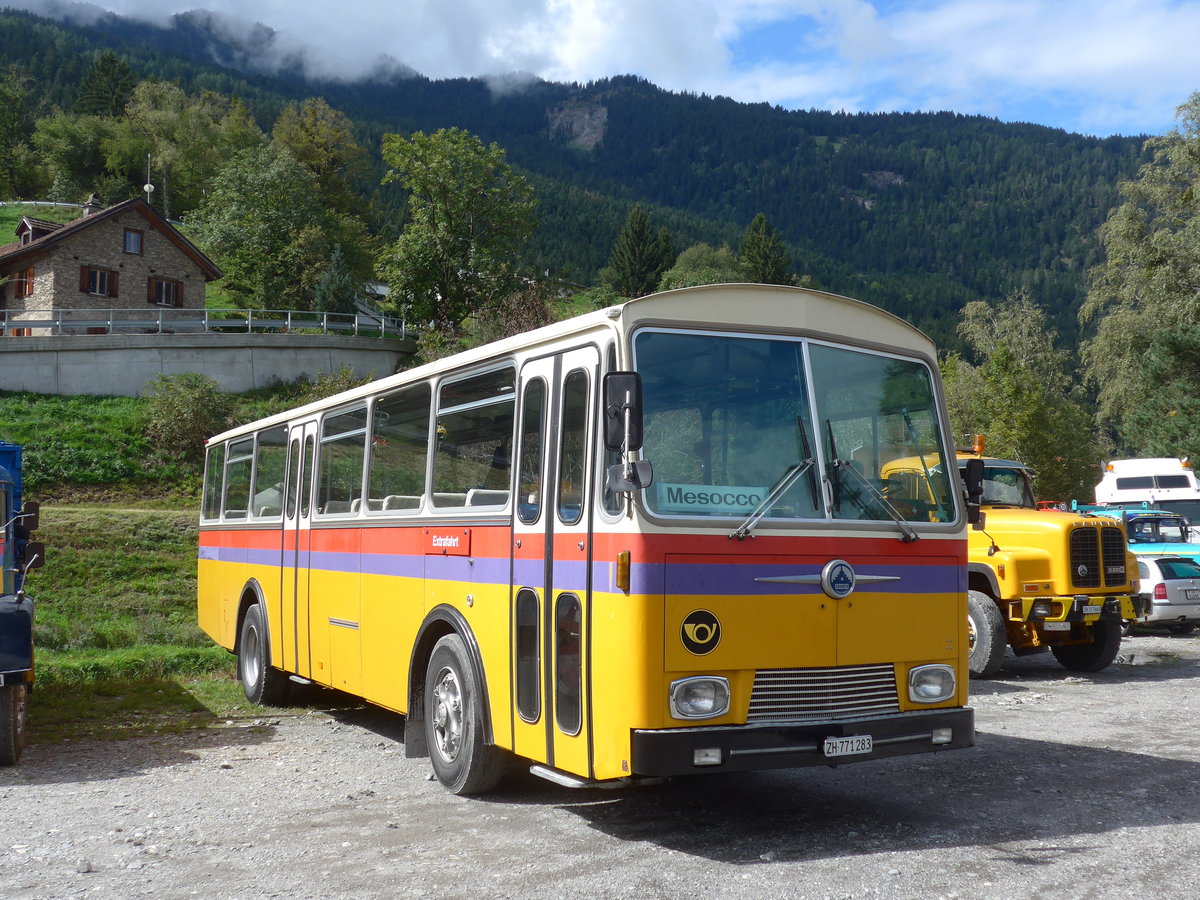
[
  {"x": 12, "y": 723},
  {"x": 462, "y": 762},
  {"x": 1093, "y": 656},
  {"x": 261, "y": 683},
  {"x": 987, "y": 637}
]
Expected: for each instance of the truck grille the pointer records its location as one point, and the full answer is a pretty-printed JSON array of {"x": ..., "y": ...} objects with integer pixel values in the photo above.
[
  {"x": 1097, "y": 556},
  {"x": 826, "y": 695},
  {"x": 1113, "y": 544}
]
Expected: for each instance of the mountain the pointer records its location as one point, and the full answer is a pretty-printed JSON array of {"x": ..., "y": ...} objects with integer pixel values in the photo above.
[{"x": 916, "y": 212}]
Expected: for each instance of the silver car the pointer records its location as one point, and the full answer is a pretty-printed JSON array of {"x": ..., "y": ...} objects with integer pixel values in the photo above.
[{"x": 1172, "y": 585}]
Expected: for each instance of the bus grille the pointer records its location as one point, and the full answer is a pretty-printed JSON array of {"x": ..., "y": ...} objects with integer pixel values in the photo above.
[{"x": 826, "y": 695}]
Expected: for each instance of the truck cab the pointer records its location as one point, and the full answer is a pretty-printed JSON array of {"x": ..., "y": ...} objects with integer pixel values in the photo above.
[{"x": 1039, "y": 579}]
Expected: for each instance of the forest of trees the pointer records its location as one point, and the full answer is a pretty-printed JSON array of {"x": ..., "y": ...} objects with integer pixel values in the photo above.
[{"x": 981, "y": 233}]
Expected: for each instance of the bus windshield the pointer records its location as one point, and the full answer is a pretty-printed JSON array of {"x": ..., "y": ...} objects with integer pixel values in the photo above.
[{"x": 732, "y": 422}]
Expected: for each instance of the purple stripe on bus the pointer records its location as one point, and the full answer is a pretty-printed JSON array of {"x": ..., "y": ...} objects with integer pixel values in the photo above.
[
  {"x": 739, "y": 579},
  {"x": 651, "y": 578}
]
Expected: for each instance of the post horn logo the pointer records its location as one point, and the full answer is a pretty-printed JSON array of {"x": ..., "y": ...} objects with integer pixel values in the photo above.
[{"x": 700, "y": 632}]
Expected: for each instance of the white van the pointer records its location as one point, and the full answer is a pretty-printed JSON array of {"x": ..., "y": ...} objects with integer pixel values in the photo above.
[{"x": 1165, "y": 482}]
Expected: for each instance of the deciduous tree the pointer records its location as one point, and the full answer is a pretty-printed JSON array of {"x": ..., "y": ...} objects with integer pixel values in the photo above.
[
  {"x": 1022, "y": 396},
  {"x": 1149, "y": 282},
  {"x": 702, "y": 264},
  {"x": 470, "y": 215}
]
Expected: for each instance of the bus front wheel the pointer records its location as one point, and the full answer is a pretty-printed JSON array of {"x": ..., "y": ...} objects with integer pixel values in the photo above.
[
  {"x": 986, "y": 634},
  {"x": 12, "y": 723},
  {"x": 462, "y": 762},
  {"x": 261, "y": 683}
]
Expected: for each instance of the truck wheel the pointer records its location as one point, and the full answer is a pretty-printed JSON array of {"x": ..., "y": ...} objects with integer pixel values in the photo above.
[
  {"x": 261, "y": 683},
  {"x": 461, "y": 760},
  {"x": 1099, "y": 654},
  {"x": 12, "y": 723},
  {"x": 1181, "y": 629},
  {"x": 987, "y": 636}
]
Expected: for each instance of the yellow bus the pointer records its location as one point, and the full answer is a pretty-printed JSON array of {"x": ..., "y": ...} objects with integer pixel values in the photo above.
[{"x": 646, "y": 542}]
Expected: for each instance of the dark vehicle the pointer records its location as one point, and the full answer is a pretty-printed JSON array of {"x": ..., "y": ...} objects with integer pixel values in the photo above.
[{"x": 19, "y": 555}]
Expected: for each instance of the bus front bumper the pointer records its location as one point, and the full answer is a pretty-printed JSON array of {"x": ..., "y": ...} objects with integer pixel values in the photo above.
[{"x": 737, "y": 748}]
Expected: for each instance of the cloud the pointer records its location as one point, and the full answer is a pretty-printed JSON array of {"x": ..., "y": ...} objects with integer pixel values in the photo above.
[{"x": 1098, "y": 66}]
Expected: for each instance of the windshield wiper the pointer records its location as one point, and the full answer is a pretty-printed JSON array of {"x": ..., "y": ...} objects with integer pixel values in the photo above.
[
  {"x": 912, "y": 436},
  {"x": 790, "y": 477},
  {"x": 908, "y": 532}
]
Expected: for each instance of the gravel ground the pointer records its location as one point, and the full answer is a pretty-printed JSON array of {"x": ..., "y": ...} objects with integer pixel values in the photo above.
[{"x": 1078, "y": 788}]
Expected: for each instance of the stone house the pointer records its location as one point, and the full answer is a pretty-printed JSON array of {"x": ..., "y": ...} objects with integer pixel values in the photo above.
[{"x": 124, "y": 259}]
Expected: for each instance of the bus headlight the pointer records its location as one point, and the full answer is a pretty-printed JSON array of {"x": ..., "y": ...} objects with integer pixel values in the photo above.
[
  {"x": 700, "y": 697},
  {"x": 931, "y": 684}
]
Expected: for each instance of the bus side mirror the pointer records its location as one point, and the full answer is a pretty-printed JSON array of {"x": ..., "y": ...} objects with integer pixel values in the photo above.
[
  {"x": 623, "y": 431},
  {"x": 29, "y": 516},
  {"x": 623, "y": 411},
  {"x": 35, "y": 556},
  {"x": 973, "y": 479}
]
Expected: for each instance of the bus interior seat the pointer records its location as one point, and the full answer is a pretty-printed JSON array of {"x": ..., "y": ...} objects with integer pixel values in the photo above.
[
  {"x": 486, "y": 497},
  {"x": 402, "y": 501}
]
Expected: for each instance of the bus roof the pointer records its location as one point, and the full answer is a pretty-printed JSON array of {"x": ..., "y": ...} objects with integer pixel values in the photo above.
[{"x": 767, "y": 308}]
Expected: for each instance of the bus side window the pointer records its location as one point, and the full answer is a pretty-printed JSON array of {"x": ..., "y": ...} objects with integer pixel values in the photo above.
[
  {"x": 270, "y": 464},
  {"x": 533, "y": 432},
  {"x": 528, "y": 659},
  {"x": 472, "y": 465},
  {"x": 573, "y": 448},
  {"x": 343, "y": 451},
  {"x": 399, "y": 450},
  {"x": 237, "y": 478},
  {"x": 214, "y": 474}
]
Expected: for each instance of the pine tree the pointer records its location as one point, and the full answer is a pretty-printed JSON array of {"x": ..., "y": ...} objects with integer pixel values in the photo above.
[
  {"x": 763, "y": 258},
  {"x": 106, "y": 88},
  {"x": 334, "y": 291},
  {"x": 639, "y": 257}
]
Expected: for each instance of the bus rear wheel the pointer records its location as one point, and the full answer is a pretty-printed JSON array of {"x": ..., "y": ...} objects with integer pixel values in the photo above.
[
  {"x": 261, "y": 683},
  {"x": 1099, "y": 654},
  {"x": 462, "y": 762},
  {"x": 12, "y": 723},
  {"x": 986, "y": 635}
]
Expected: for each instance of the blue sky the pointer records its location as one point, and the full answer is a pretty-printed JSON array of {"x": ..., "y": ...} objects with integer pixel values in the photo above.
[{"x": 1093, "y": 66}]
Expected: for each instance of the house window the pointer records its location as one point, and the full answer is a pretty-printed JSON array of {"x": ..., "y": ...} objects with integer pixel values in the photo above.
[
  {"x": 98, "y": 282},
  {"x": 164, "y": 292},
  {"x": 23, "y": 284},
  {"x": 133, "y": 241}
]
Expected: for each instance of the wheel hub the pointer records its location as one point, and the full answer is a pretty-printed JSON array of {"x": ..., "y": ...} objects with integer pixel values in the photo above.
[{"x": 447, "y": 715}]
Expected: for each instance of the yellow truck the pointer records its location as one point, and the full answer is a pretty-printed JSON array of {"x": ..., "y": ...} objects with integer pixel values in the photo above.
[{"x": 1037, "y": 578}]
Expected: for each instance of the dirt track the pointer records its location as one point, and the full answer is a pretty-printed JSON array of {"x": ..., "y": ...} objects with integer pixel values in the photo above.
[{"x": 1077, "y": 788}]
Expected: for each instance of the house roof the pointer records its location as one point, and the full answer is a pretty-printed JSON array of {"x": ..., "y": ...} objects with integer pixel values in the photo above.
[{"x": 17, "y": 252}]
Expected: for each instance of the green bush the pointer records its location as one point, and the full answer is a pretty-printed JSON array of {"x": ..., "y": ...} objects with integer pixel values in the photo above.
[{"x": 183, "y": 411}]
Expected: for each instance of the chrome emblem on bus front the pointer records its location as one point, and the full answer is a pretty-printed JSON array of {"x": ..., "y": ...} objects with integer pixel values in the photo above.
[{"x": 837, "y": 579}]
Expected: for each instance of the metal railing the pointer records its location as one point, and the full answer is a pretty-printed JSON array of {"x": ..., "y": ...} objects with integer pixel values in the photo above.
[{"x": 167, "y": 320}]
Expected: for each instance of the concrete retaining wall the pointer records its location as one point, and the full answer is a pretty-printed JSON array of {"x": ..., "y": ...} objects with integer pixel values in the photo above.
[{"x": 120, "y": 364}]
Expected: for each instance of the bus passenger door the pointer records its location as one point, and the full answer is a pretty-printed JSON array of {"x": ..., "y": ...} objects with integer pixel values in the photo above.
[
  {"x": 297, "y": 550},
  {"x": 551, "y": 560}
]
